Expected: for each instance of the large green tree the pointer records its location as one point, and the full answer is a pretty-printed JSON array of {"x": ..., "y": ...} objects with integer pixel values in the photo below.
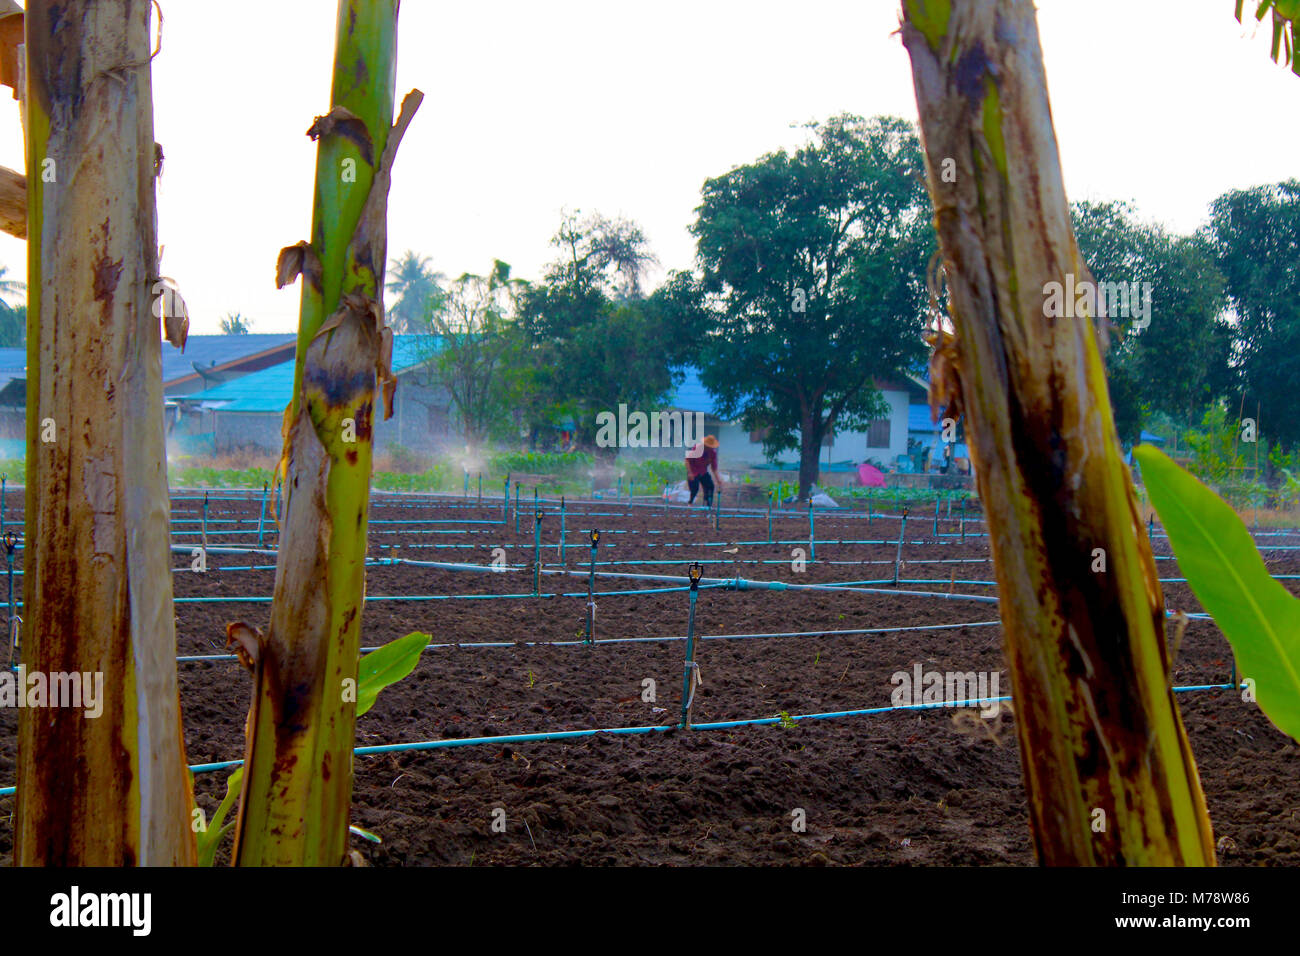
[
  {"x": 594, "y": 341},
  {"x": 1169, "y": 355},
  {"x": 1256, "y": 237},
  {"x": 813, "y": 269},
  {"x": 469, "y": 345}
]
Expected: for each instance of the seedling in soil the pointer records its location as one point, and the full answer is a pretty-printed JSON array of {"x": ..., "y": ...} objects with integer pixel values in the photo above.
[
  {"x": 786, "y": 721},
  {"x": 532, "y": 679}
]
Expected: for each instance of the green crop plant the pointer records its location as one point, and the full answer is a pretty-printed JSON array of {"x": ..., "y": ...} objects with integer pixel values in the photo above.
[
  {"x": 1217, "y": 555},
  {"x": 297, "y": 786},
  {"x": 1098, "y": 725},
  {"x": 378, "y": 669},
  {"x": 97, "y": 597}
]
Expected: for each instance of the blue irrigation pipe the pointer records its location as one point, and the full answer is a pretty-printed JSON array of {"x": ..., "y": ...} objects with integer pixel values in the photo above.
[
  {"x": 562, "y": 516},
  {"x": 662, "y": 638},
  {"x": 505, "y": 502},
  {"x": 422, "y": 745},
  {"x": 516, "y": 507},
  {"x": 3, "y": 480}
]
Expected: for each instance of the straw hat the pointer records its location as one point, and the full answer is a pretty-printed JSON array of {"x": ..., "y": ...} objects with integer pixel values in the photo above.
[{"x": 710, "y": 441}]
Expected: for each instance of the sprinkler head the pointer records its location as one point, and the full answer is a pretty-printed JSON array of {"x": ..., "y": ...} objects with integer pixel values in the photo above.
[
  {"x": 11, "y": 541},
  {"x": 595, "y": 537},
  {"x": 905, "y": 512},
  {"x": 540, "y": 515},
  {"x": 696, "y": 571}
]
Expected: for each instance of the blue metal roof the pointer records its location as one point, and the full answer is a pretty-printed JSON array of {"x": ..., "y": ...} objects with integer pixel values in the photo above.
[
  {"x": 918, "y": 419},
  {"x": 692, "y": 396},
  {"x": 210, "y": 350},
  {"x": 269, "y": 389}
]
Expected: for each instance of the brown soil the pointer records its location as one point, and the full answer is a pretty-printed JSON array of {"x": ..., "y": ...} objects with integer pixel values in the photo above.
[{"x": 933, "y": 787}]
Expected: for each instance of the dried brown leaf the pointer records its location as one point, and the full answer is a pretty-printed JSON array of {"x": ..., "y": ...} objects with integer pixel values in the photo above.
[
  {"x": 248, "y": 642},
  {"x": 295, "y": 260},
  {"x": 169, "y": 305},
  {"x": 347, "y": 124}
]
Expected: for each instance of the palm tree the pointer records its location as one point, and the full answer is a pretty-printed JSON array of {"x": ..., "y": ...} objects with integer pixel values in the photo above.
[
  {"x": 415, "y": 286},
  {"x": 9, "y": 287},
  {"x": 235, "y": 324}
]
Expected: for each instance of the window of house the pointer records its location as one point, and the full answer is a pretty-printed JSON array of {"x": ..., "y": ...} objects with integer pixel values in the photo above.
[{"x": 878, "y": 434}]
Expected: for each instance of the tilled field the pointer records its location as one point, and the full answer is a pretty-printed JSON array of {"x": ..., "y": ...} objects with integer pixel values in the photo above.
[{"x": 925, "y": 787}]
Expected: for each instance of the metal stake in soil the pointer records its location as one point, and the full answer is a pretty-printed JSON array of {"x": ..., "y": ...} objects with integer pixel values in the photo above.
[
  {"x": 691, "y": 672},
  {"x": 812, "y": 533},
  {"x": 261, "y": 517},
  {"x": 203, "y": 527},
  {"x": 537, "y": 553},
  {"x": 898, "y": 555},
  {"x": 480, "y": 489},
  {"x": 516, "y": 507},
  {"x": 505, "y": 502},
  {"x": 562, "y": 510},
  {"x": 11, "y": 543},
  {"x": 963, "y": 519},
  {"x": 717, "y": 509},
  {"x": 769, "y": 520},
  {"x": 3, "y": 479},
  {"x": 591, "y": 589}
]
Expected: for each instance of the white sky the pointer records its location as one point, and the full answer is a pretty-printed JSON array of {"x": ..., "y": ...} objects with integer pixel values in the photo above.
[{"x": 534, "y": 106}]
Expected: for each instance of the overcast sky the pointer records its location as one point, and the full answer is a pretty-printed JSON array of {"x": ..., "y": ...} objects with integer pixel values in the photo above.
[{"x": 536, "y": 106}]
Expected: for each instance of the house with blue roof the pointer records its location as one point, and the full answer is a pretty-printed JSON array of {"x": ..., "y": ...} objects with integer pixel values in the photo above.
[
  {"x": 247, "y": 412},
  {"x": 881, "y": 443}
]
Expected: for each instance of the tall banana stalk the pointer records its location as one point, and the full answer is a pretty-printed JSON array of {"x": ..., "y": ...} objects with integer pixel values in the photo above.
[
  {"x": 111, "y": 789},
  {"x": 297, "y": 785},
  {"x": 1108, "y": 770}
]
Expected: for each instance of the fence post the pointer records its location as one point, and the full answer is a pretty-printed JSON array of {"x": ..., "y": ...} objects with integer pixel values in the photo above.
[{"x": 691, "y": 672}]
